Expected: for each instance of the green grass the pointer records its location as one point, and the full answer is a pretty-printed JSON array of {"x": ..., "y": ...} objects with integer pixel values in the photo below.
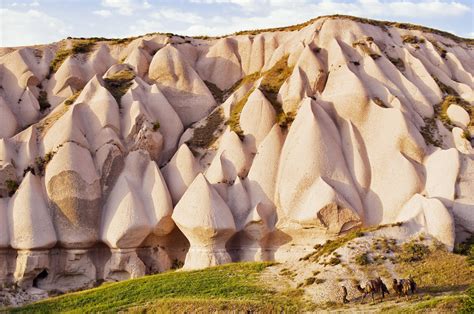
[
  {"x": 436, "y": 304},
  {"x": 468, "y": 303},
  {"x": 466, "y": 248},
  {"x": 233, "y": 285},
  {"x": 119, "y": 83}
]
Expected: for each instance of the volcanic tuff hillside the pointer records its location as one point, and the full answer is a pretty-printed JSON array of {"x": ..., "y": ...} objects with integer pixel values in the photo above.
[{"x": 120, "y": 158}]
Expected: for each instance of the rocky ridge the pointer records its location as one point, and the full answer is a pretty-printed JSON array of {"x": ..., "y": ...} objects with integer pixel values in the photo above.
[{"x": 120, "y": 158}]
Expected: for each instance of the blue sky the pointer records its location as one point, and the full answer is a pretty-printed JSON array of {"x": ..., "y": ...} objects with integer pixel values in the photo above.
[{"x": 26, "y": 22}]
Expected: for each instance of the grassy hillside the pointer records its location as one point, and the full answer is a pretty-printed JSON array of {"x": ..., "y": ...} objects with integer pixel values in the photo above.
[{"x": 229, "y": 287}]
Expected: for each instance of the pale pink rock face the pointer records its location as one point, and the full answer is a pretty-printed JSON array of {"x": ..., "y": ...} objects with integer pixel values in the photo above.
[{"x": 126, "y": 178}]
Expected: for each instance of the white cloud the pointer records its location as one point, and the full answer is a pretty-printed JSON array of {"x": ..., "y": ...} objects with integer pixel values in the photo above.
[
  {"x": 103, "y": 13},
  {"x": 398, "y": 8},
  {"x": 273, "y": 13},
  {"x": 30, "y": 27},
  {"x": 126, "y": 7},
  {"x": 175, "y": 15},
  {"x": 34, "y": 4},
  {"x": 143, "y": 26}
]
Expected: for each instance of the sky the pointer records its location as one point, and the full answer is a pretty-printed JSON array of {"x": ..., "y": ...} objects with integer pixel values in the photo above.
[{"x": 28, "y": 22}]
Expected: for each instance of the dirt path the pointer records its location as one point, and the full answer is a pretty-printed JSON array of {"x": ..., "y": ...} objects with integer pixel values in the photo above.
[{"x": 440, "y": 302}]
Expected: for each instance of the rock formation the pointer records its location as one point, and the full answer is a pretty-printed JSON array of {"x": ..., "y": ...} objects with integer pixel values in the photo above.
[{"x": 137, "y": 155}]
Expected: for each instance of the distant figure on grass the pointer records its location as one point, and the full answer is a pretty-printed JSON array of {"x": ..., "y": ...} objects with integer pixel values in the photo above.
[
  {"x": 344, "y": 295},
  {"x": 373, "y": 286}
]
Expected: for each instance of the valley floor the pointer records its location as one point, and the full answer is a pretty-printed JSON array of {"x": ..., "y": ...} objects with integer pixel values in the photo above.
[
  {"x": 445, "y": 283},
  {"x": 229, "y": 288}
]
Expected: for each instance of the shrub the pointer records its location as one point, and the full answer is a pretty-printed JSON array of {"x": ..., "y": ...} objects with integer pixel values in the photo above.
[
  {"x": 441, "y": 51},
  {"x": 119, "y": 83},
  {"x": 411, "y": 39},
  {"x": 156, "y": 126},
  {"x": 72, "y": 98},
  {"x": 309, "y": 281},
  {"x": 286, "y": 119},
  {"x": 204, "y": 136},
  {"x": 363, "y": 259},
  {"x": 379, "y": 102},
  {"x": 82, "y": 46},
  {"x": 40, "y": 164},
  {"x": 467, "y": 135},
  {"x": 177, "y": 264},
  {"x": 397, "y": 62},
  {"x": 466, "y": 248},
  {"x": 12, "y": 186},
  {"x": 413, "y": 251},
  {"x": 319, "y": 281},
  {"x": 430, "y": 131},
  {"x": 445, "y": 89},
  {"x": 43, "y": 101},
  {"x": 334, "y": 261},
  {"x": 365, "y": 48},
  {"x": 216, "y": 92}
]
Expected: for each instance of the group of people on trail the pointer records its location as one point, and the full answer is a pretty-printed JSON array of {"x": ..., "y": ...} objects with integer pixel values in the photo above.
[{"x": 400, "y": 287}]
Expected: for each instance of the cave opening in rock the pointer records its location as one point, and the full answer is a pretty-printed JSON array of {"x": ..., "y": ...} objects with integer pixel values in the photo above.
[{"x": 42, "y": 275}]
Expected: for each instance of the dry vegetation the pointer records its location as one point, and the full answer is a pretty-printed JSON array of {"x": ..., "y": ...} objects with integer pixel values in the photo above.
[
  {"x": 412, "y": 39},
  {"x": 364, "y": 46},
  {"x": 383, "y": 24},
  {"x": 205, "y": 135},
  {"x": 43, "y": 101},
  {"x": 272, "y": 80},
  {"x": 234, "y": 119},
  {"x": 72, "y": 98},
  {"x": 430, "y": 130},
  {"x": 45, "y": 124},
  {"x": 119, "y": 83},
  {"x": 216, "y": 92},
  {"x": 379, "y": 102},
  {"x": 78, "y": 47},
  {"x": 397, "y": 62}
]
